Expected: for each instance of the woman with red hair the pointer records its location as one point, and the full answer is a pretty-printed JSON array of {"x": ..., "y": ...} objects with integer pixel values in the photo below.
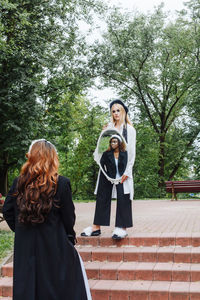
[{"x": 39, "y": 209}]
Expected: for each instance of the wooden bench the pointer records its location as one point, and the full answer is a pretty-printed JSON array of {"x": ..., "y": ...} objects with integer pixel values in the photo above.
[{"x": 175, "y": 187}]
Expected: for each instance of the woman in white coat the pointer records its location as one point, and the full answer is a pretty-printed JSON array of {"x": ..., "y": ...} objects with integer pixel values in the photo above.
[{"x": 123, "y": 191}]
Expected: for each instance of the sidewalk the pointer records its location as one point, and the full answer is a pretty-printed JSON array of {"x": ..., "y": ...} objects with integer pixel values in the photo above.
[{"x": 149, "y": 217}]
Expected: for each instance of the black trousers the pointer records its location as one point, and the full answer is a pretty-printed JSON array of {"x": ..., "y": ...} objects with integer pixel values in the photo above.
[{"x": 103, "y": 205}]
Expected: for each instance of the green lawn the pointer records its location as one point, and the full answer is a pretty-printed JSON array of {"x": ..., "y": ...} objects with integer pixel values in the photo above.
[{"x": 6, "y": 243}]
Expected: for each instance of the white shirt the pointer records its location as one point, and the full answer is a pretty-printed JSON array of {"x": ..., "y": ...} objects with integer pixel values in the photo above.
[{"x": 117, "y": 173}]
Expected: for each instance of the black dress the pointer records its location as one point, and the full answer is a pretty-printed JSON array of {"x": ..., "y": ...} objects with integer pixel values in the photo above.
[{"x": 46, "y": 264}]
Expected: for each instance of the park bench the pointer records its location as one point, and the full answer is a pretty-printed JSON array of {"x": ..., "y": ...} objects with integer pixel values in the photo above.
[
  {"x": 187, "y": 186},
  {"x": 1, "y": 207}
]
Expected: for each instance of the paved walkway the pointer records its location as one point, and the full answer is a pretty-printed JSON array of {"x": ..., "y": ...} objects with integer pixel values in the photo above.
[{"x": 149, "y": 217}]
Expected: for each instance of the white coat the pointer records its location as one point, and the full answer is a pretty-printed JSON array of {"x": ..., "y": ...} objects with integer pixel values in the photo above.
[{"x": 131, "y": 149}]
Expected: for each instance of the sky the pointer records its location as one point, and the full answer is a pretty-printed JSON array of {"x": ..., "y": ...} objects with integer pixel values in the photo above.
[
  {"x": 147, "y": 5},
  {"x": 100, "y": 96}
]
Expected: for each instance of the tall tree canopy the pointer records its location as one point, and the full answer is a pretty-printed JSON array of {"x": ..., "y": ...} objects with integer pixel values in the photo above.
[
  {"x": 154, "y": 64},
  {"x": 39, "y": 51}
]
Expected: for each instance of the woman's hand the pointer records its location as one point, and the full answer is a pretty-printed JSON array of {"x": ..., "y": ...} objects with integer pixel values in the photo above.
[{"x": 124, "y": 177}]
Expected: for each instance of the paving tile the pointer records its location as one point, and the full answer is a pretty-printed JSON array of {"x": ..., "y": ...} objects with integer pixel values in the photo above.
[
  {"x": 148, "y": 254},
  {"x": 167, "y": 239},
  {"x": 132, "y": 254},
  {"x": 159, "y": 290},
  {"x": 181, "y": 272},
  {"x": 195, "y": 272},
  {"x": 126, "y": 271},
  {"x": 99, "y": 254},
  {"x": 115, "y": 254},
  {"x": 144, "y": 271},
  {"x": 140, "y": 290},
  {"x": 92, "y": 270},
  {"x": 151, "y": 240},
  {"x": 85, "y": 253},
  {"x": 121, "y": 290},
  {"x": 195, "y": 290},
  {"x": 182, "y": 254},
  {"x": 6, "y": 284},
  {"x": 183, "y": 239},
  {"x": 108, "y": 241},
  {"x": 195, "y": 255},
  {"x": 92, "y": 283},
  {"x": 7, "y": 270},
  {"x": 196, "y": 239},
  {"x": 144, "y": 239},
  {"x": 109, "y": 270},
  {"x": 102, "y": 289},
  {"x": 162, "y": 271},
  {"x": 179, "y": 291},
  {"x": 93, "y": 240},
  {"x": 165, "y": 254}
]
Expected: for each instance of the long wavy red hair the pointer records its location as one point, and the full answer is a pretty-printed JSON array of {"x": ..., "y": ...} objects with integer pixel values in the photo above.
[{"x": 37, "y": 183}]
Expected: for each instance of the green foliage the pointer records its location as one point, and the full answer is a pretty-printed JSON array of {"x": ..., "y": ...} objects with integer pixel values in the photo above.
[
  {"x": 151, "y": 62},
  {"x": 39, "y": 48},
  {"x": 74, "y": 127},
  {"x": 146, "y": 164},
  {"x": 154, "y": 65},
  {"x": 6, "y": 243}
]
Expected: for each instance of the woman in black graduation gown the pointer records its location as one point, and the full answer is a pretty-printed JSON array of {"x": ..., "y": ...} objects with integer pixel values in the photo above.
[{"x": 39, "y": 209}]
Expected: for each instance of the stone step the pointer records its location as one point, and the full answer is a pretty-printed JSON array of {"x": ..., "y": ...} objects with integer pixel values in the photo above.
[
  {"x": 144, "y": 290},
  {"x": 7, "y": 270},
  {"x": 143, "y": 271},
  {"x": 176, "y": 254},
  {"x": 128, "y": 290},
  {"x": 143, "y": 239},
  {"x": 6, "y": 286}
]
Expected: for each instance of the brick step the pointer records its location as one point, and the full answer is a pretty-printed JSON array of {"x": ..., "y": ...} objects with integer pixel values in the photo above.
[
  {"x": 144, "y": 290},
  {"x": 128, "y": 290},
  {"x": 145, "y": 239},
  {"x": 6, "y": 286},
  {"x": 143, "y": 271},
  {"x": 176, "y": 254},
  {"x": 7, "y": 270}
]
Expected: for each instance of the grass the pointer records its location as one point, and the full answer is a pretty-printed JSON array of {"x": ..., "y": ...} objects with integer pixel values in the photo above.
[{"x": 6, "y": 243}]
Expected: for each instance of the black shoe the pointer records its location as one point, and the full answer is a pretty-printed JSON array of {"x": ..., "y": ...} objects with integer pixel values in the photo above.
[
  {"x": 83, "y": 234},
  {"x": 116, "y": 237},
  {"x": 96, "y": 232}
]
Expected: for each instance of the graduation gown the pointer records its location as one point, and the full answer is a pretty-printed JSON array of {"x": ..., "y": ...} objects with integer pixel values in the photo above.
[
  {"x": 108, "y": 163},
  {"x": 46, "y": 264}
]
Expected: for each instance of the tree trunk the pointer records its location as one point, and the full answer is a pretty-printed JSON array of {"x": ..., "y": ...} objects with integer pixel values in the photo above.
[
  {"x": 4, "y": 175},
  {"x": 161, "y": 162}
]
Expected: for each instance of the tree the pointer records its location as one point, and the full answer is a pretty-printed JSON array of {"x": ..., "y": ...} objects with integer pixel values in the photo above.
[
  {"x": 38, "y": 61},
  {"x": 74, "y": 127},
  {"x": 155, "y": 65}
]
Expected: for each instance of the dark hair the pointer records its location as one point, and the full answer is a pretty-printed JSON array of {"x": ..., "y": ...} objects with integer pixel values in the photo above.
[
  {"x": 122, "y": 146},
  {"x": 37, "y": 183}
]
